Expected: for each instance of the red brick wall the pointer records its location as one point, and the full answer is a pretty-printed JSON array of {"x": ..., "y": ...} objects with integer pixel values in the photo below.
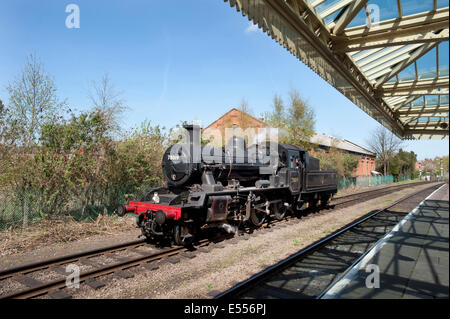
[{"x": 365, "y": 166}]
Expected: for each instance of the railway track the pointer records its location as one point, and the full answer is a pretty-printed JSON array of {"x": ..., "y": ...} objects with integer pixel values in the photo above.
[
  {"x": 347, "y": 200},
  {"x": 309, "y": 272},
  {"x": 145, "y": 256},
  {"x": 49, "y": 276}
]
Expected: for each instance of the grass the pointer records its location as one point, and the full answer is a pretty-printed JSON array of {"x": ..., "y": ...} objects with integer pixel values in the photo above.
[
  {"x": 58, "y": 231},
  {"x": 408, "y": 181},
  {"x": 261, "y": 260}
]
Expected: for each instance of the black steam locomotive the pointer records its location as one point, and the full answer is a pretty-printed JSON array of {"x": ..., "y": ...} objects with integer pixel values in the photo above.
[{"x": 229, "y": 187}]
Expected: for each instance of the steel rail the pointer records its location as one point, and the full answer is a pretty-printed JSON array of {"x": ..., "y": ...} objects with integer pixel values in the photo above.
[
  {"x": 58, "y": 261},
  {"x": 267, "y": 273},
  {"x": 121, "y": 265},
  {"x": 45, "y": 264},
  {"x": 356, "y": 196}
]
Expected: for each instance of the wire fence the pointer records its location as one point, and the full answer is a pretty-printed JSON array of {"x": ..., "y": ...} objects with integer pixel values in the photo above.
[
  {"x": 30, "y": 206},
  {"x": 366, "y": 181}
]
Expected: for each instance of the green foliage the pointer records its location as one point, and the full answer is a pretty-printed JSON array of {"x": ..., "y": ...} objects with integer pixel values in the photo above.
[
  {"x": 77, "y": 168},
  {"x": 53, "y": 163},
  {"x": 296, "y": 121},
  {"x": 277, "y": 118},
  {"x": 345, "y": 164},
  {"x": 137, "y": 159},
  {"x": 403, "y": 163},
  {"x": 350, "y": 163},
  {"x": 445, "y": 163},
  {"x": 436, "y": 167}
]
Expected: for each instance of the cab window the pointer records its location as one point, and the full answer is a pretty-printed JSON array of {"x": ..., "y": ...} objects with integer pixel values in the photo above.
[{"x": 294, "y": 159}]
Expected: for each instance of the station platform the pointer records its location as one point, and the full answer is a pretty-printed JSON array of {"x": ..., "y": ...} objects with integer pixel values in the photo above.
[{"x": 410, "y": 262}]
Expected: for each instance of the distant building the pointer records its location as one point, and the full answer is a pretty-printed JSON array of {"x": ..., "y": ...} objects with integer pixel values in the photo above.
[
  {"x": 430, "y": 165},
  {"x": 233, "y": 119},
  {"x": 366, "y": 164},
  {"x": 419, "y": 166},
  {"x": 238, "y": 119}
]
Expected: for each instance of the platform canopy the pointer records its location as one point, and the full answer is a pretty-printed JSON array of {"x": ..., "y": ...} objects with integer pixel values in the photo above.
[{"x": 389, "y": 57}]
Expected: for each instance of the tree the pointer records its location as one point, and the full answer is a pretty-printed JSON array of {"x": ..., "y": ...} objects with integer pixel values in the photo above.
[
  {"x": 297, "y": 120},
  {"x": 403, "y": 163},
  {"x": 72, "y": 160},
  {"x": 245, "y": 115},
  {"x": 277, "y": 118},
  {"x": 344, "y": 164},
  {"x": 300, "y": 121},
  {"x": 3, "y": 126},
  {"x": 32, "y": 100},
  {"x": 385, "y": 145},
  {"x": 107, "y": 101},
  {"x": 445, "y": 163},
  {"x": 430, "y": 167},
  {"x": 439, "y": 166}
]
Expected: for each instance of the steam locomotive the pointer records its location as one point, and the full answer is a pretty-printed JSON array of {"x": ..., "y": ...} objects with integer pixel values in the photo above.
[{"x": 209, "y": 187}]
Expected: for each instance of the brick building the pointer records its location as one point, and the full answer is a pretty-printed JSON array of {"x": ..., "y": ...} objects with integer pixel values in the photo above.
[
  {"x": 238, "y": 119},
  {"x": 366, "y": 164},
  {"x": 232, "y": 119}
]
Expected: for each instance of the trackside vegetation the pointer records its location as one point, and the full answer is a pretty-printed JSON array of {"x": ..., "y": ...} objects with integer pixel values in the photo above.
[{"x": 56, "y": 162}]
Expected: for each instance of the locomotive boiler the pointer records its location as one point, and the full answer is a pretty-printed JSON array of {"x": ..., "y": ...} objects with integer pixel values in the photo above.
[{"x": 210, "y": 187}]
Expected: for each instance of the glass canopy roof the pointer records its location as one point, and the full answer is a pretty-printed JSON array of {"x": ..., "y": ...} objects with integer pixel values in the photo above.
[{"x": 389, "y": 57}]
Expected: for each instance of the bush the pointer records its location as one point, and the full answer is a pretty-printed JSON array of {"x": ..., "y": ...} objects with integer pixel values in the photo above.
[
  {"x": 344, "y": 164},
  {"x": 78, "y": 168}
]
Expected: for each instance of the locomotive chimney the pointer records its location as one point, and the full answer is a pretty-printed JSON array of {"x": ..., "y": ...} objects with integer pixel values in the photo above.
[{"x": 193, "y": 139}]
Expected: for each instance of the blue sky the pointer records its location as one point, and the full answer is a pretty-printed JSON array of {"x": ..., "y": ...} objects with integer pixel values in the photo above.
[{"x": 173, "y": 61}]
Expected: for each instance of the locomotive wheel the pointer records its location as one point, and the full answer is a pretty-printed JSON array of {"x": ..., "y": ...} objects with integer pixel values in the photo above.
[
  {"x": 181, "y": 240},
  {"x": 280, "y": 211},
  {"x": 257, "y": 218},
  {"x": 324, "y": 200},
  {"x": 258, "y": 214},
  {"x": 177, "y": 235},
  {"x": 313, "y": 203}
]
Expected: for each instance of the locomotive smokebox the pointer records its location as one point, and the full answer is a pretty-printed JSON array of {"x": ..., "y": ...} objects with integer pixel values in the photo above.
[
  {"x": 181, "y": 161},
  {"x": 186, "y": 163}
]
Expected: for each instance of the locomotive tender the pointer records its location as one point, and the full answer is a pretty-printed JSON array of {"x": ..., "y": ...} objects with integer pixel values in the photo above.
[{"x": 228, "y": 187}]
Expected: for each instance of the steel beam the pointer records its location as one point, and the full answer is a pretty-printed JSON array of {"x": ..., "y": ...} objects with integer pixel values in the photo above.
[
  {"x": 415, "y": 35},
  {"x": 424, "y": 111},
  {"x": 437, "y": 86},
  {"x": 347, "y": 16},
  {"x": 419, "y": 52},
  {"x": 404, "y": 23}
]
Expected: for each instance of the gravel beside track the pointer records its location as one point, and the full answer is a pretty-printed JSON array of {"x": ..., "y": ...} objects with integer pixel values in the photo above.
[{"x": 7, "y": 286}]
